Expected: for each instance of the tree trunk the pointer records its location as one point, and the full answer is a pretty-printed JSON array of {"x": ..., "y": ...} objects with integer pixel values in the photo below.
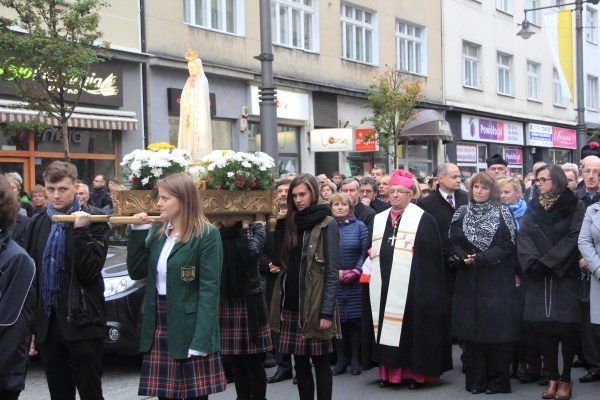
[{"x": 65, "y": 141}]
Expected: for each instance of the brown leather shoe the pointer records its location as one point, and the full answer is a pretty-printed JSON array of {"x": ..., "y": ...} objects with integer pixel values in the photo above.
[
  {"x": 564, "y": 391},
  {"x": 550, "y": 390}
]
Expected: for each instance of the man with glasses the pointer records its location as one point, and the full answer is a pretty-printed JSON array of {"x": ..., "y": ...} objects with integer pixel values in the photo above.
[{"x": 99, "y": 198}]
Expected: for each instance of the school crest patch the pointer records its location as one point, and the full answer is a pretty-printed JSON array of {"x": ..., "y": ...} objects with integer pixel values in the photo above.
[{"x": 188, "y": 273}]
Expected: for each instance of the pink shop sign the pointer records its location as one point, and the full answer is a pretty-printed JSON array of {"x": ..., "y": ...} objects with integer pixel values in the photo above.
[{"x": 565, "y": 138}]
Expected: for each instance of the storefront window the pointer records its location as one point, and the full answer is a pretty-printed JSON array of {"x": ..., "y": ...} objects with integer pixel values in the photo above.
[
  {"x": 80, "y": 141},
  {"x": 417, "y": 156},
  {"x": 86, "y": 169},
  {"x": 13, "y": 140},
  {"x": 560, "y": 157},
  {"x": 361, "y": 162},
  {"x": 288, "y": 145}
]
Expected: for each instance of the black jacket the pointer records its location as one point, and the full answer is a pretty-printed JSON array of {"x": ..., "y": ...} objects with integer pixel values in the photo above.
[
  {"x": 17, "y": 312},
  {"x": 19, "y": 229},
  {"x": 80, "y": 313},
  {"x": 436, "y": 205},
  {"x": 379, "y": 205},
  {"x": 548, "y": 254},
  {"x": 367, "y": 216},
  {"x": 99, "y": 198}
]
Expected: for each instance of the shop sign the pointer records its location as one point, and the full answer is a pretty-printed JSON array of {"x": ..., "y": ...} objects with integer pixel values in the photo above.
[
  {"x": 174, "y": 102},
  {"x": 322, "y": 140},
  {"x": 290, "y": 105},
  {"x": 107, "y": 78},
  {"x": 466, "y": 154},
  {"x": 361, "y": 144},
  {"x": 513, "y": 156},
  {"x": 551, "y": 136},
  {"x": 490, "y": 130}
]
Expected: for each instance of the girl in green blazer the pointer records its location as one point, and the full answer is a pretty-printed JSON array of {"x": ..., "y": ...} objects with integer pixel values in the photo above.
[{"x": 181, "y": 260}]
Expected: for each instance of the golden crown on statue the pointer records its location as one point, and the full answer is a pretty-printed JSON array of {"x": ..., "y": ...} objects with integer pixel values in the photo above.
[{"x": 191, "y": 55}]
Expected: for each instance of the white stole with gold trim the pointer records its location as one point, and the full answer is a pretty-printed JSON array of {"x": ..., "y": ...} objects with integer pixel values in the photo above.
[{"x": 403, "y": 240}]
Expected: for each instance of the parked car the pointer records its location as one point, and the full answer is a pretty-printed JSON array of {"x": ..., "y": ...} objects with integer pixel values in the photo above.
[{"x": 124, "y": 303}]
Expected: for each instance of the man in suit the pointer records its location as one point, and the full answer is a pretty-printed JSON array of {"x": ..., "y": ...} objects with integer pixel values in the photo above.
[
  {"x": 442, "y": 204},
  {"x": 362, "y": 213},
  {"x": 71, "y": 315},
  {"x": 368, "y": 191},
  {"x": 83, "y": 194}
]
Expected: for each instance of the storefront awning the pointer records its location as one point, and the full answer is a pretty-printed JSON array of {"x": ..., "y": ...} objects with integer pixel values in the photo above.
[
  {"x": 83, "y": 118},
  {"x": 427, "y": 125}
]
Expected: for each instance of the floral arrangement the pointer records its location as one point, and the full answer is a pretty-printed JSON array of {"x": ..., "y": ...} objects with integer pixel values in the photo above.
[
  {"x": 143, "y": 168},
  {"x": 227, "y": 170}
]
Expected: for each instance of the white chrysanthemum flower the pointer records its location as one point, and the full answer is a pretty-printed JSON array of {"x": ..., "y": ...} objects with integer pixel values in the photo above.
[
  {"x": 211, "y": 167},
  {"x": 145, "y": 180},
  {"x": 230, "y": 174},
  {"x": 246, "y": 164}
]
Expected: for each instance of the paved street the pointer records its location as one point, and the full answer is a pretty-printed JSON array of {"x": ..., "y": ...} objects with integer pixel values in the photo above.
[{"x": 122, "y": 373}]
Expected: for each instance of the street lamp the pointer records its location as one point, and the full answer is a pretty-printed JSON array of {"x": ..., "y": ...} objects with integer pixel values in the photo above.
[{"x": 526, "y": 33}]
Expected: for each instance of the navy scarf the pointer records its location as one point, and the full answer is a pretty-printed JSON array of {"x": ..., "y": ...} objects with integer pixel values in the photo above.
[{"x": 53, "y": 266}]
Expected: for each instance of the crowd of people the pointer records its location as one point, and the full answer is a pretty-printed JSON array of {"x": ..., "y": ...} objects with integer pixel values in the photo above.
[{"x": 380, "y": 270}]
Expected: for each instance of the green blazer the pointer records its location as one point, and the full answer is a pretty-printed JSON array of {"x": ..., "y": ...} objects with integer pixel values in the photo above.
[{"x": 193, "y": 282}]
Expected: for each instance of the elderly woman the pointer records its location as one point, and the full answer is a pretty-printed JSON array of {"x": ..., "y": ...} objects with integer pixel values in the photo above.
[
  {"x": 485, "y": 309},
  {"x": 38, "y": 197},
  {"x": 547, "y": 251},
  {"x": 353, "y": 248},
  {"x": 327, "y": 189},
  {"x": 412, "y": 339}
]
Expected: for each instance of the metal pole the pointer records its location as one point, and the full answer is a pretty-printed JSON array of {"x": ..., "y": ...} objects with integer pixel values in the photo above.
[
  {"x": 267, "y": 93},
  {"x": 581, "y": 128}
]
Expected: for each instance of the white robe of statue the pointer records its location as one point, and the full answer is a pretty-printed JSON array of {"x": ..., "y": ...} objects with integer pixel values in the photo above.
[{"x": 194, "y": 125}]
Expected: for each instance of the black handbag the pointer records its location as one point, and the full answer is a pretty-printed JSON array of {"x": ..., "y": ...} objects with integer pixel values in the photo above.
[{"x": 584, "y": 286}]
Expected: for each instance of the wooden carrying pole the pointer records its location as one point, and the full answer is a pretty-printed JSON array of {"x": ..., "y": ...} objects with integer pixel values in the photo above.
[{"x": 105, "y": 218}]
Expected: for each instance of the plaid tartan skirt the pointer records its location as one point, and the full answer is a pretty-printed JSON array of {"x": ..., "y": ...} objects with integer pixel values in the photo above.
[
  {"x": 235, "y": 334},
  {"x": 292, "y": 342},
  {"x": 165, "y": 376}
]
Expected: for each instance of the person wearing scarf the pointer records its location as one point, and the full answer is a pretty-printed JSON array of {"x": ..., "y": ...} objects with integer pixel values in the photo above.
[
  {"x": 406, "y": 304},
  {"x": 549, "y": 257},
  {"x": 71, "y": 316},
  {"x": 245, "y": 332},
  {"x": 353, "y": 248},
  {"x": 303, "y": 307},
  {"x": 485, "y": 309}
]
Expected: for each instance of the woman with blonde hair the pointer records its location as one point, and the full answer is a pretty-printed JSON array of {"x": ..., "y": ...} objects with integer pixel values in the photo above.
[{"x": 181, "y": 259}]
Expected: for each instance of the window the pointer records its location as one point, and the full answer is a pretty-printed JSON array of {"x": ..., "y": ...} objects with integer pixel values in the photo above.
[
  {"x": 557, "y": 96},
  {"x": 505, "y": 6},
  {"x": 535, "y": 17},
  {"x": 533, "y": 81},
  {"x": 471, "y": 75},
  {"x": 293, "y": 23},
  {"x": 358, "y": 34},
  {"x": 558, "y": 3},
  {"x": 411, "y": 48},
  {"x": 591, "y": 98},
  {"x": 591, "y": 26},
  {"x": 504, "y": 64},
  {"x": 219, "y": 15},
  {"x": 288, "y": 145}
]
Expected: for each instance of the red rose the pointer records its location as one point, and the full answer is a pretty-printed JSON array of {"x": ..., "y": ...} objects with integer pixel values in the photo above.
[
  {"x": 240, "y": 177},
  {"x": 218, "y": 187},
  {"x": 252, "y": 184},
  {"x": 240, "y": 184},
  {"x": 132, "y": 180}
]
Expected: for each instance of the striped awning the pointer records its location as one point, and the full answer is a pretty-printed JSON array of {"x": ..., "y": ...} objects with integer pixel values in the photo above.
[{"x": 83, "y": 118}]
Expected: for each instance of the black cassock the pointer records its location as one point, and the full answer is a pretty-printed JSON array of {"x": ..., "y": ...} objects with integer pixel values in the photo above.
[{"x": 425, "y": 344}]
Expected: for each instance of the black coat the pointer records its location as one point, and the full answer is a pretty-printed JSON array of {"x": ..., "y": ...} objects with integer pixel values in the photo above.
[
  {"x": 17, "y": 312},
  {"x": 548, "y": 254},
  {"x": 485, "y": 308},
  {"x": 19, "y": 229},
  {"x": 425, "y": 345},
  {"x": 378, "y": 205},
  {"x": 366, "y": 215},
  {"x": 80, "y": 313}
]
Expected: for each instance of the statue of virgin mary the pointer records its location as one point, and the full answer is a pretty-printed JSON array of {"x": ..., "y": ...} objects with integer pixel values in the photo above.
[{"x": 194, "y": 124}]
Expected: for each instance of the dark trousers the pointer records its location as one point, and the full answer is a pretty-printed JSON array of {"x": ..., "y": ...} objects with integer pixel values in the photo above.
[
  {"x": 568, "y": 336},
  {"x": 72, "y": 364},
  {"x": 487, "y": 366},
  {"x": 590, "y": 338},
  {"x": 250, "y": 376},
  {"x": 9, "y": 394},
  {"x": 284, "y": 361},
  {"x": 306, "y": 384}
]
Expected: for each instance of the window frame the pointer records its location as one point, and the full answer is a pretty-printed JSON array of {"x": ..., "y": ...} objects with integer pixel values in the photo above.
[
  {"x": 557, "y": 89},
  {"x": 533, "y": 78},
  {"x": 505, "y": 71},
  {"x": 591, "y": 25},
  {"x": 592, "y": 93},
  {"x": 467, "y": 58},
  {"x": 505, "y": 6},
  {"x": 535, "y": 16},
  {"x": 365, "y": 27},
  {"x": 303, "y": 10},
  {"x": 239, "y": 25},
  {"x": 414, "y": 42}
]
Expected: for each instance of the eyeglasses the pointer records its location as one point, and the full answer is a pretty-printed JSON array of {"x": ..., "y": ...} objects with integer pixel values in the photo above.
[
  {"x": 393, "y": 192},
  {"x": 590, "y": 172},
  {"x": 541, "y": 180}
]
